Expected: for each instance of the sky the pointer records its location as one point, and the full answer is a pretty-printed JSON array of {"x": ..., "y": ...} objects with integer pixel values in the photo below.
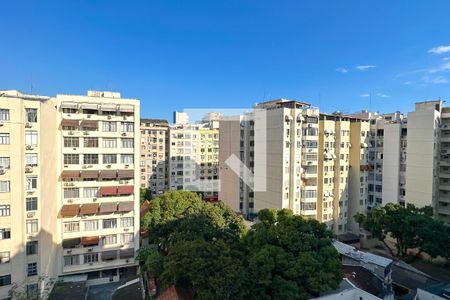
[{"x": 173, "y": 55}]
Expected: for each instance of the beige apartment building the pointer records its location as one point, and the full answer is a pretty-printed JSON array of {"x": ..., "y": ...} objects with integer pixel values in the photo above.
[
  {"x": 193, "y": 158},
  {"x": 68, "y": 163},
  {"x": 154, "y": 155}
]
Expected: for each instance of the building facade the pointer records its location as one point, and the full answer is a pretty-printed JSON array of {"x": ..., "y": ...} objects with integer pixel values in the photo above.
[
  {"x": 154, "y": 155},
  {"x": 70, "y": 160}
]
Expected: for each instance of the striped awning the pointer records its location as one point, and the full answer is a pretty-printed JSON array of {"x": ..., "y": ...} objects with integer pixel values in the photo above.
[
  {"x": 70, "y": 243},
  {"x": 126, "y": 174},
  {"x": 108, "y": 174},
  {"x": 71, "y": 105},
  {"x": 89, "y": 209},
  {"x": 108, "y": 191},
  {"x": 70, "y": 174},
  {"x": 69, "y": 122},
  {"x": 109, "y": 255},
  {"x": 126, "y": 253},
  {"x": 89, "y": 123},
  {"x": 89, "y": 106},
  {"x": 108, "y": 208},
  {"x": 69, "y": 210},
  {"x": 90, "y": 240},
  {"x": 126, "y": 108},
  {"x": 125, "y": 206},
  {"x": 125, "y": 190},
  {"x": 91, "y": 174},
  {"x": 108, "y": 107}
]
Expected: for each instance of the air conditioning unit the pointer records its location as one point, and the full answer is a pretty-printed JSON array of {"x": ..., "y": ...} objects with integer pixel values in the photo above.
[
  {"x": 28, "y": 169},
  {"x": 127, "y": 260},
  {"x": 89, "y": 116},
  {"x": 86, "y": 133},
  {"x": 69, "y": 251},
  {"x": 2, "y": 123},
  {"x": 94, "y": 199},
  {"x": 108, "y": 166},
  {"x": 29, "y": 147},
  {"x": 2, "y": 171},
  {"x": 127, "y": 166},
  {"x": 71, "y": 133},
  {"x": 28, "y": 125},
  {"x": 124, "y": 117},
  {"x": 84, "y": 167},
  {"x": 70, "y": 201},
  {"x": 90, "y": 250},
  {"x": 30, "y": 214},
  {"x": 124, "y": 134},
  {"x": 126, "y": 229},
  {"x": 109, "y": 117}
]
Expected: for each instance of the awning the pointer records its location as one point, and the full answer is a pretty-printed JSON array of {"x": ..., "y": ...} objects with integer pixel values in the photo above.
[
  {"x": 89, "y": 240},
  {"x": 109, "y": 255},
  {"x": 108, "y": 174},
  {"x": 67, "y": 122},
  {"x": 89, "y": 106},
  {"x": 108, "y": 208},
  {"x": 69, "y": 210},
  {"x": 70, "y": 174},
  {"x": 126, "y": 253},
  {"x": 108, "y": 191},
  {"x": 125, "y": 190},
  {"x": 70, "y": 243},
  {"x": 126, "y": 174},
  {"x": 72, "y": 105},
  {"x": 89, "y": 209},
  {"x": 89, "y": 123},
  {"x": 126, "y": 206},
  {"x": 126, "y": 108},
  {"x": 89, "y": 174},
  {"x": 108, "y": 107}
]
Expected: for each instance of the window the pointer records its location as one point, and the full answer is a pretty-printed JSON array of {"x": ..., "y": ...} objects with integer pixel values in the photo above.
[
  {"x": 71, "y": 226},
  {"x": 32, "y": 269},
  {"x": 127, "y": 127},
  {"x": 127, "y": 158},
  {"x": 4, "y": 257},
  {"x": 32, "y": 247},
  {"x": 4, "y": 138},
  {"x": 5, "y": 162},
  {"x": 109, "y": 126},
  {"x": 31, "y": 183},
  {"x": 32, "y": 291},
  {"x": 311, "y": 144},
  {"x": 109, "y": 223},
  {"x": 90, "y": 192},
  {"x": 90, "y": 225},
  {"x": 71, "y": 193},
  {"x": 127, "y": 238},
  {"x": 90, "y": 142},
  {"x": 5, "y": 210},
  {"x": 31, "y": 203},
  {"x": 109, "y": 143},
  {"x": 90, "y": 159},
  {"x": 31, "y": 115},
  {"x": 4, "y": 114},
  {"x": 126, "y": 222},
  {"x": 110, "y": 158},
  {"x": 71, "y": 260},
  {"x": 90, "y": 258},
  {"x": 71, "y": 142},
  {"x": 31, "y": 159},
  {"x": 31, "y": 138},
  {"x": 109, "y": 239},
  {"x": 127, "y": 143},
  {"x": 5, "y": 280},
  {"x": 32, "y": 226},
  {"x": 71, "y": 159},
  {"x": 308, "y": 206},
  {"x": 5, "y": 233}
]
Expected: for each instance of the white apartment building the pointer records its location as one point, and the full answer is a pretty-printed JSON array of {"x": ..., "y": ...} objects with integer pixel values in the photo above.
[
  {"x": 68, "y": 163},
  {"x": 154, "y": 155}
]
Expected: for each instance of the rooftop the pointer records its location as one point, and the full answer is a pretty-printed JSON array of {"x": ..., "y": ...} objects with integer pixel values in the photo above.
[{"x": 354, "y": 253}]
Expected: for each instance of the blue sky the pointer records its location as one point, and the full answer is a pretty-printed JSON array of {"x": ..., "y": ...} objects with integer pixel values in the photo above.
[{"x": 201, "y": 54}]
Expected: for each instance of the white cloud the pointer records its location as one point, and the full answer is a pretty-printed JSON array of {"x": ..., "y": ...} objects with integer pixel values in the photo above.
[
  {"x": 342, "y": 70},
  {"x": 442, "y": 68},
  {"x": 439, "y": 50},
  {"x": 445, "y": 58},
  {"x": 435, "y": 80},
  {"x": 407, "y": 82},
  {"x": 364, "y": 95},
  {"x": 383, "y": 95},
  {"x": 365, "y": 67}
]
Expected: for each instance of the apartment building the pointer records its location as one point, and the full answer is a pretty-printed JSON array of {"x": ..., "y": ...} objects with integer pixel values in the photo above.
[
  {"x": 154, "y": 155},
  {"x": 73, "y": 170},
  {"x": 443, "y": 169},
  {"x": 193, "y": 158}
]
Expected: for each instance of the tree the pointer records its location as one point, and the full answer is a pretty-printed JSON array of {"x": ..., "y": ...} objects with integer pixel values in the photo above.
[
  {"x": 144, "y": 194},
  {"x": 291, "y": 257},
  {"x": 411, "y": 227}
]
